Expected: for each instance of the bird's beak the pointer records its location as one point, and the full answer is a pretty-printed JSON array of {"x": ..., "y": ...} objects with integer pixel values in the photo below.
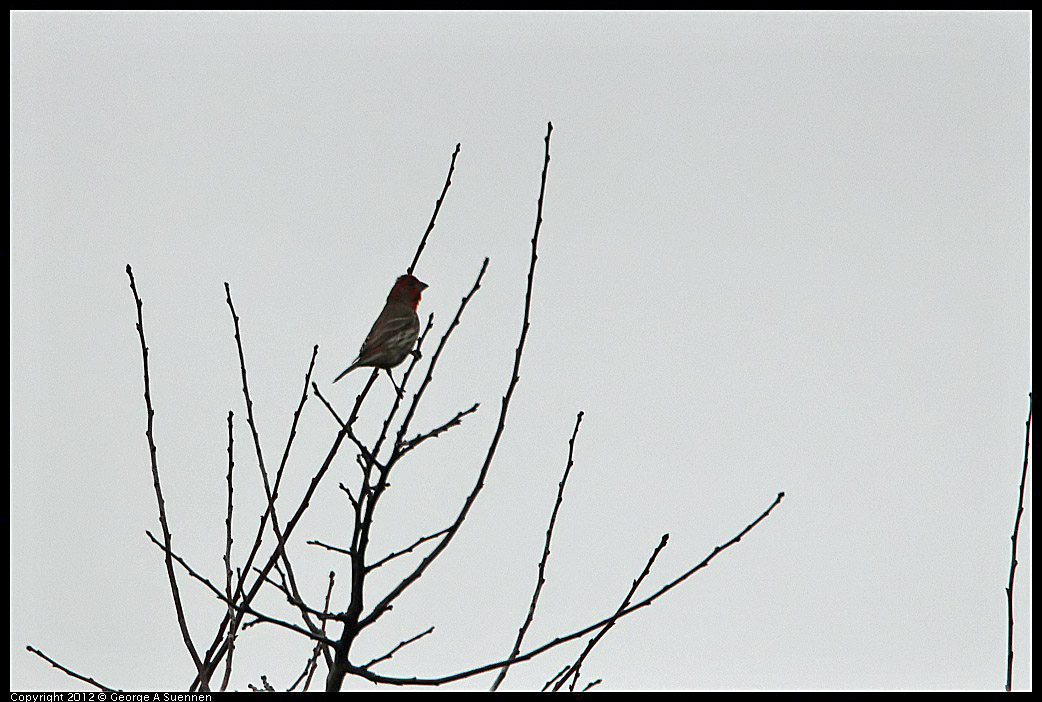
[{"x": 423, "y": 285}]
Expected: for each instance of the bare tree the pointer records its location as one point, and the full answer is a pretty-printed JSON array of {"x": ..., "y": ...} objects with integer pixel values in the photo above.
[{"x": 335, "y": 625}]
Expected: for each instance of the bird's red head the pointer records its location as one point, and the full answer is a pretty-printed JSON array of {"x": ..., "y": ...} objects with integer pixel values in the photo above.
[{"x": 407, "y": 289}]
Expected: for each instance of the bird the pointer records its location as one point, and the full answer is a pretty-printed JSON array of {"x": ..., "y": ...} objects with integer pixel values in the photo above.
[{"x": 394, "y": 332}]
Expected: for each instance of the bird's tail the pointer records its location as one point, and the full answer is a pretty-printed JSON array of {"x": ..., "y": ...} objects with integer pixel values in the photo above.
[{"x": 346, "y": 371}]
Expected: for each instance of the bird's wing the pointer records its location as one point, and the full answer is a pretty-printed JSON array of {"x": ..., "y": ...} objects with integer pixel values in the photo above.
[{"x": 394, "y": 323}]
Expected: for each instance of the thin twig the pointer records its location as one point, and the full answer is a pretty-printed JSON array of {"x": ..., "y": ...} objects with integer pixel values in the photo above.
[
  {"x": 1013, "y": 558},
  {"x": 258, "y": 540},
  {"x": 262, "y": 618},
  {"x": 408, "y": 549},
  {"x": 347, "y": 490},
  {"x": 366, "y": 454},
  {"x": 318, "y": 394},
  {"x": 249, "y": 402},
  {"x": 541, "y": 575},
  {"x": 434, "y": 216},
  {"x": 433, "y": 433},
  {"x": 314, "y": 659},
  {"x": 71, "y": 673},
  {"x": 336, "y": 549},
  {"x": 294, "y": 600},
  {"x": 181, "y": 621},
  {"x": 312, "y": 665},
  {"x": 557, "y": 675},
  {"x": 397, "y": 648},
  {"x": 291, "y": 579},
  {"x": 228, "y": 559},
  {"x": 577, "y": 665}
]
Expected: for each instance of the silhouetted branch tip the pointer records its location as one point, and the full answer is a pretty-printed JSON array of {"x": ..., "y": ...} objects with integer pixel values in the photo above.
[
  {"x": 397, "y": 648},
  {"x": 69, "y": 672},
  {"x": 575, "y": 668},
  {"x": 1013, "y": 554},
  {"x": 437, "y": 208}
]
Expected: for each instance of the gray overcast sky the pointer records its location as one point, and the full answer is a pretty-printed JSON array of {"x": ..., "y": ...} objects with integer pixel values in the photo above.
[{"x": 781, "y": 252}]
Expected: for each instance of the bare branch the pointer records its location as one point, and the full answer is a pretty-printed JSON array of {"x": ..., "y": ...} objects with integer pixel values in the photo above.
[
  {"x": 336, "y": 549},
  {"x": 408, "y": 549},
  {"x": 71, "y": 673},
  {"x": 258, "y": 540},
  {"x": 249, "y": 407},
  {"x": 541, "y": 576},
  {"x": 190, "y": 570},
  {"x": 296, "y": 601},
  {"x": 318, "y": 394},
  {"x": 261, "y": 618},
  {"x": 420, "y": 438},
  {"x": 397, "y": 648},
  {"x": 181, "y": 621},
  {"x": 295, "y": 597},
  {"x": 228, "y": 560},
  {"x": 1013, "y": 557},
  {"x": 366, "y": 454},
  {"x": 239, "y": 593},
  {"x": 350, "y": 497},
  {"x": 557, "y": 675},
  {"x": 314, "y": 659},
  {"x": 577, "y": 665},
  {"x": 314, "y": 655},
  {"x": 293, "y": 425},
  {"x": 434, "y": 216}
]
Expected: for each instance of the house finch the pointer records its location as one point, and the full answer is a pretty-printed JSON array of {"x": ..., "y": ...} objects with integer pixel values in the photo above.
[{"x": 394, "y": 332}]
